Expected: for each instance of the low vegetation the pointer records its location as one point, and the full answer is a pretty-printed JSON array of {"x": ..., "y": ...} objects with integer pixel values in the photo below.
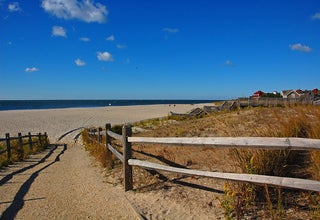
[
  {"x": 95, "y": 149},
  {"x": 20, "y": 153},
  {"x": 98, "y": 150},
  {"x": 241, "y": 200}
]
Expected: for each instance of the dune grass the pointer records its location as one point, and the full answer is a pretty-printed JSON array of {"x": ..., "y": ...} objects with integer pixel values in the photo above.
[
  {"x": 96, "y": 149},
  {"x": 243, "y": 200},
  {"x": 20, "y": 153}
]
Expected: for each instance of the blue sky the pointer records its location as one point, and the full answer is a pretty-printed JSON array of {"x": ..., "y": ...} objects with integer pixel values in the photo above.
[{"x": 159, "y": 49}]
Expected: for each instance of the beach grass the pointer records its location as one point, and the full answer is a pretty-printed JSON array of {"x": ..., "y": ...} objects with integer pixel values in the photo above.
[
  {"x": 242, "y": 199},
  {"x": 20, "y": 153}
]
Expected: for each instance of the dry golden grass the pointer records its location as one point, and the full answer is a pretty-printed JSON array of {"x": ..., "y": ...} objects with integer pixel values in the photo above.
[
  {"x": 241, "y": 199},
  {"x": 293, "y": 121},
  {"x": 19, "y": 153},
  {"x": 97, "y": 150}
]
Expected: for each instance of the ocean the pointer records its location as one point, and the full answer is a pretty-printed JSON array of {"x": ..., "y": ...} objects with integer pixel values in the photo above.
[{"x": 54, "y": 104}]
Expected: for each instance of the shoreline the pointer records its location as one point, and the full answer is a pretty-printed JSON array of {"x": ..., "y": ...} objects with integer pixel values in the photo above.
[
  {"x": 8, "y": 105},
  {"x": 103, "y": 107},
  {"x": 60, "y": 121}
]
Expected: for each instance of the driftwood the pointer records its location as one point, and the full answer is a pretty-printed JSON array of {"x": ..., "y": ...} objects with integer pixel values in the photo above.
[
  {"x": 226, "y": 105},
  {"x": 192, "y": 113}
]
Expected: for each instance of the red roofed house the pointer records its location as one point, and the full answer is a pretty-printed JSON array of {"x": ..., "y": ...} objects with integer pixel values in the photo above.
[
  {"x": 315, "y": 91},
  {"x": 257, "y": 94}
]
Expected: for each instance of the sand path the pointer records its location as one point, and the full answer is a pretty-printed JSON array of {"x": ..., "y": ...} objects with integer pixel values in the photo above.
[
  {"x": 64, "y": 182},
  {"x": 60, "y": 183}
]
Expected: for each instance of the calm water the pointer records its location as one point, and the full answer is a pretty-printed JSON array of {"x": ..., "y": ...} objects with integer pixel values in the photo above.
[{"x": 52, "y": 104}]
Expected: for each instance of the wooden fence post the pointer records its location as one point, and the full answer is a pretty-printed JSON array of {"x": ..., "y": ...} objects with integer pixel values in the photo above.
[
  {"x": 20, "y": 139},
  {"x": 20, "y": 151},
  {"x": 46, "y": 138},
  {"x": 8, "y": 147},
  {"x": 99, "y": 135},
  {"x": 40, "y": 142},
  {"x": 30, "y": 140},
  {"x": 127, "y": 153},
  {"x": 108, "y": 152}
]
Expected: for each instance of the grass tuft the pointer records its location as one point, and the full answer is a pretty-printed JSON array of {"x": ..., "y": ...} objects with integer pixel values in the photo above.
[{"x": 97, "y": 150}]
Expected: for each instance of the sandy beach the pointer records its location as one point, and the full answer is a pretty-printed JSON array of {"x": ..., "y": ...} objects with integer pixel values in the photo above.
[
  {"x": 80, "y": 189},
  {"x": 57, "y": 122}
]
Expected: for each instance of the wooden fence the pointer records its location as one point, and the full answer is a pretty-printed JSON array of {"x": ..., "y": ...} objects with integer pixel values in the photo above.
[
  {"x": 269, "y": 102},
  {"x": 214, "y": 142},
  {"x": 9, "y": 147}
]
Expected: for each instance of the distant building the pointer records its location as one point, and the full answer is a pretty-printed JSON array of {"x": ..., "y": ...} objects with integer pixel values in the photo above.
[
  {"x": 257, "y": 94},
  {"x": 290, "y": 94},
  {"x": 316, "y": 91}
]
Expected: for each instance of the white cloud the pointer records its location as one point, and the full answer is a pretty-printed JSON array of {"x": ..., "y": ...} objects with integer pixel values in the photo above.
[
  {"x": 59, "y": 31},
  {"x": 229, "y": 63},
  {"x": 316, "y": 16},
  {"x": 104, "y": 56},
  {"x": 31, "y": 69},
  {"x": 84, "y": 10},
  {"x": 121, "y": 46},
  {"x": 14, "y": 7},
  {"x": 79, "y": 62},
  {"x": 300, "y": 47},
  {"x": 110, "y": 38},
  {"x": 84, "y": 39},
  {"x": 171, "y": 30}
]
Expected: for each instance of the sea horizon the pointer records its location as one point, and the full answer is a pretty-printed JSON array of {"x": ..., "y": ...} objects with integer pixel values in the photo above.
[{"x": 6, "y": 105}]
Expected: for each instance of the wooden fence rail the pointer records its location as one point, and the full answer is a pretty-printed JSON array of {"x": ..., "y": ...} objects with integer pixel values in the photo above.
[
  {"x": 215, "y": 142},
  {"x": 8, "y": 147}
]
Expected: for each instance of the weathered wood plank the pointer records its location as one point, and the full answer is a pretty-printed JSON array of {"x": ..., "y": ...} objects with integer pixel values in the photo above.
[
  {"x": 114, "y": 135},
  {"x": 256, "y": 142},
  {"x": 109, "y": 162},
  {"x": 286, "y": 182},
  {"x": 115, "y": 152}
]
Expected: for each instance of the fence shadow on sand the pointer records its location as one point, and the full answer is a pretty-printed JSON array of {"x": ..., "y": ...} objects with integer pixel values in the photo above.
[{"x": 18, "y": 201}]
